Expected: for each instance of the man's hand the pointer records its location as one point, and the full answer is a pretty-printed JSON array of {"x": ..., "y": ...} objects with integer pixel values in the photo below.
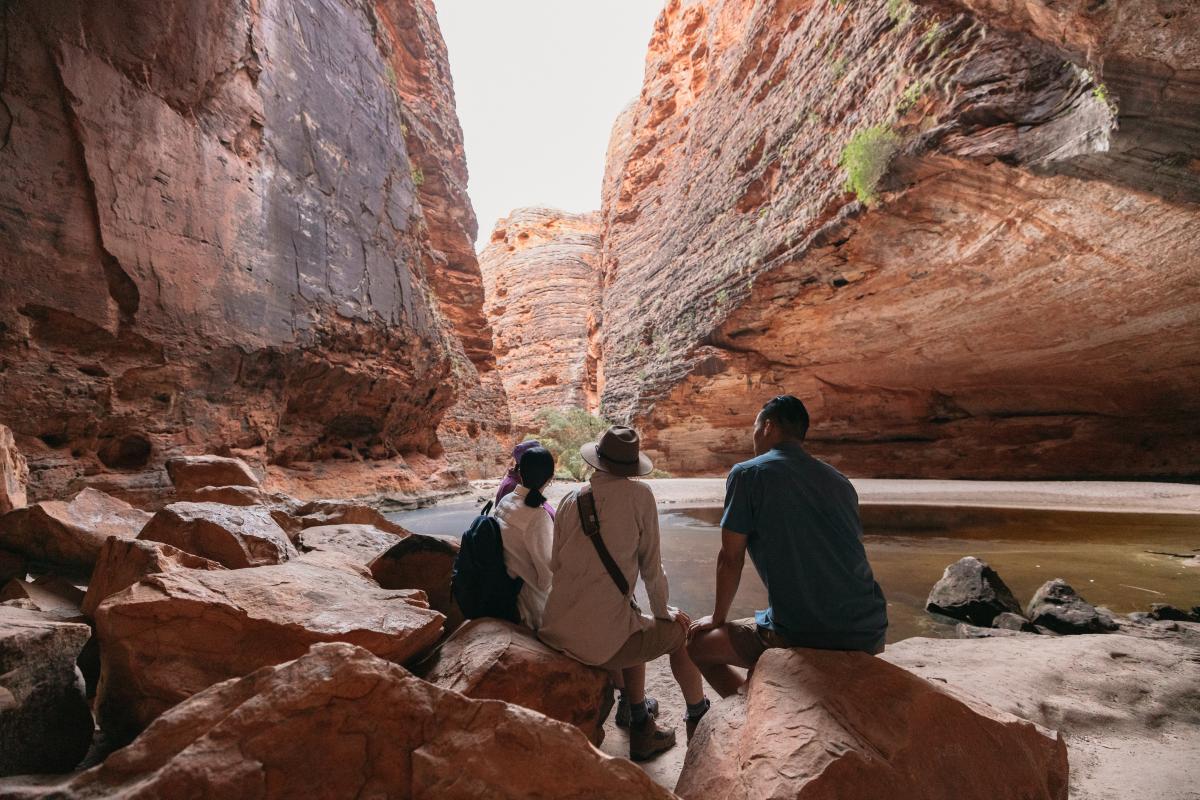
[
  {"x": 704, "y": 624},
  {"x": 683, "y": 619}
]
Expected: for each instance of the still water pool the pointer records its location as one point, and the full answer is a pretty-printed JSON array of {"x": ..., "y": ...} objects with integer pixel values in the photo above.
[{"x": 1113, "y": 559}]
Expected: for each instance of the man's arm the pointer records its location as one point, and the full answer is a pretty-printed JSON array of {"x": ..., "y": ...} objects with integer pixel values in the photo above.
[{"x": 730, "y": 561}]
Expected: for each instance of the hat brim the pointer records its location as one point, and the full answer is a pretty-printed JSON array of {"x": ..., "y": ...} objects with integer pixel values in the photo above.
[{"x": 593, "y": 459}]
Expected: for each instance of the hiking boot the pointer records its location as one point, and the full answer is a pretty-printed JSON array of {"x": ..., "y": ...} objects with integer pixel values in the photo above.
[
  {"x": 691, "y": 722},
  {"x": 625, "y": 715},
  {"x": 648, "y": 740}
]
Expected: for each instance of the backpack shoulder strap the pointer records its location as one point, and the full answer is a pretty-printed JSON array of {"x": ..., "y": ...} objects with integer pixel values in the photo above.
[{"x": 591, "y": 528}]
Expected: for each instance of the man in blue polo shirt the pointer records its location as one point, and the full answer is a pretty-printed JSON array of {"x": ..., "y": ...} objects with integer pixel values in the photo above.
[{"x": 799, "y": 519}]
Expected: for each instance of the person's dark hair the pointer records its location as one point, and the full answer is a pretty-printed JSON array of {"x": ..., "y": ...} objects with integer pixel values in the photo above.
[
  {"x": 789, "y": 414},
  {"x": 536, "y": 468}
]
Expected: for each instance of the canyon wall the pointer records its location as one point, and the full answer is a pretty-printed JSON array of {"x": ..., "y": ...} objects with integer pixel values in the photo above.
[
  {"x": 238, "y": 227},
  {"x": 541, "y": 278},
  {"x": 1018, "y": 296}
]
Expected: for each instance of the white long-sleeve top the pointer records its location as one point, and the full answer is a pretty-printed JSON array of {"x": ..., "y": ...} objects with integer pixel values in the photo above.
[
  {"x": 527, "y": 534},
  {"x": 586, "y": 616}
]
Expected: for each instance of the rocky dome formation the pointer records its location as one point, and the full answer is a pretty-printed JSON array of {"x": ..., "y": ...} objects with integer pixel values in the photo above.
[
  {"x": 1016, "y": 297},
  {"x": 541, "y": 280},
  {"x": 243, "y": 229}
]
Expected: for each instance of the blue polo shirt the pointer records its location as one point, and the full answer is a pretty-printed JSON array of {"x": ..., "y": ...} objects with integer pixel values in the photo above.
[{"x": 805, "y": 539}]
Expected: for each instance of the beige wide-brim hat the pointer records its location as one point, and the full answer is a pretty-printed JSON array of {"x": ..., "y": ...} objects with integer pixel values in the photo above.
[{"x": 618, "y": 452}]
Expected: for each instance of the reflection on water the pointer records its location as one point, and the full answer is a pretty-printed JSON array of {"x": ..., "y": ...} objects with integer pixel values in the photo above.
[{"x": 1103, "y": 555}]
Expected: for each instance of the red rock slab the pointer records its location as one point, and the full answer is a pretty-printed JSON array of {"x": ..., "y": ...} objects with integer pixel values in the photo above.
[
  {"x": 827, "y": 724},
  {"x": 362, "y": 543},
  {"x": 339, "y": 722},
  {"x": 124, "y": 562},
  {"x": 70, "y": 533},
  {"x": 172, "y": 634},
  {"x": 233, "y": 537},
  {"x": 189, "y": 473},
  {"x": 425, "y": 562},
  {"x": 14, "y": 473},
  {"x": 497, "y": 660},
  {"x": 345, "y": 512},
  {"x": 241, "y": 496},
  {"x": 52, "y": 595}
]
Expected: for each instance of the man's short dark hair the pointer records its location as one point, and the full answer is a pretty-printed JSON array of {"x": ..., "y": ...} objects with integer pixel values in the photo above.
[{"x": 789, "y": 414}]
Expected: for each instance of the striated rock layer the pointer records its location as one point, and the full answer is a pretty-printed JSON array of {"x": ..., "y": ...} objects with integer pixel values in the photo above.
[
  {"x": 1021, "y": 300},
  {"x": 541, "y": 278},
  {"x": 237, "y": 228}
]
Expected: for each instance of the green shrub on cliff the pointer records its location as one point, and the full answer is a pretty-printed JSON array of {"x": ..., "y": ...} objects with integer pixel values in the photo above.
[
  {"x": 900, "y": 12},
  {"x": 562, "y": 432},
  {"x": 866, "y": 158}
]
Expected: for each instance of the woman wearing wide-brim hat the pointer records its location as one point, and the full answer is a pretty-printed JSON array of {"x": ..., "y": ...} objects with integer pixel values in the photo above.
[{"x": 590, "y": 613}]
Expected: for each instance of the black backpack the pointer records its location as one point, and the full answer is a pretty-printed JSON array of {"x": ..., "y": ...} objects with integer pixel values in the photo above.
[{"x": 480, "y": 582}]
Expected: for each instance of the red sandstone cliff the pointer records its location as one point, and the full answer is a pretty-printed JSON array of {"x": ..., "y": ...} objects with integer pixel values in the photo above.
[
  {"x": 1022, "y": 300},
  {"x": 236, "y": 226},
  {"x": 542, "y": 282}
]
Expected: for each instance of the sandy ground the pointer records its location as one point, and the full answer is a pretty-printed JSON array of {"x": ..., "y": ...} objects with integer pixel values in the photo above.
[{"x": 1122, "y": 496}]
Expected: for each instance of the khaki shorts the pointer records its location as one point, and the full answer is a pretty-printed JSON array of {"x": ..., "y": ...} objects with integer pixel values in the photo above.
[
  {"x": 750, "y": 640},
  {"x": 648, "y": 644}
]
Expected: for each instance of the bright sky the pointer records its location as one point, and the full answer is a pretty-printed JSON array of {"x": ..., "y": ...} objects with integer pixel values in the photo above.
[{"x": 538, "y": 84}]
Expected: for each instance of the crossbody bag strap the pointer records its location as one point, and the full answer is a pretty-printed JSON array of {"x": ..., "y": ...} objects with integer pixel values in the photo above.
[{"x": 591, "y": 528}]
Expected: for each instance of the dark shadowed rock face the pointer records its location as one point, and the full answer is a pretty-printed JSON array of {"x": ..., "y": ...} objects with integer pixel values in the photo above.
[
  {"x": 971, "y": 590},
  {"x": 542, "y": 280},
  {"x": 224, "y": 225},
  {"x": 1020, "y": 301},
  {"x": 1056, "y": 605}
]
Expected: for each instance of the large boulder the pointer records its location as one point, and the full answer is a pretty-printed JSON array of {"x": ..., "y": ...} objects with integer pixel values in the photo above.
[
  {"x": 14, "y": 473},
  {"x": 827, "y": 724},
  {"x": 362, "y": 543},
  {"x": 233, "y": 536},
  {"x": 241, "y": 496},
  {"x": 45, "y": 724},
  {"x": 124, "y": 562},
  {"x": 172, "y": 634},
  {"x": 971, "y": 590},
  {"x": 421, "y": 561},
  {"x": 54, "y": 596},
  {"x": 1055, "y": 605},
  {"x": 69, "y": 534},
  {"x": 345, "y": 512},
  {"x": 1129, "y": 708},
  {"x": 497, "y": 660},
  {"x": 339, "y": 722},
  {"x": 189, "y": 473}
]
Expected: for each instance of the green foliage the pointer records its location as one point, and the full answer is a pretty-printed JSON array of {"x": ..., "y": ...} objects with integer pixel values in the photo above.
[
  {"x": 866, "y": 158},
  {"x": 417, "y": 174},
  {"x": 911, "y": 95},
  {"x": 390, "y": 71},
  {"x": 562, "y": 433},
  {"x": 838, "y": 3},
  {"x": 722, "y": 297},
  {"x": 1101, "y": 93},
  {"x": 900, "y": 12},
  {"x": 838, "y": 67},
  {"x": 933, "y": 34}
]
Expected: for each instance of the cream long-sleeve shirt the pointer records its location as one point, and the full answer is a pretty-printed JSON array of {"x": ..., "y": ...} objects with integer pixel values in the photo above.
[
  {"x": 586, "y": 616},
  {"x": 527, "y": 534}
]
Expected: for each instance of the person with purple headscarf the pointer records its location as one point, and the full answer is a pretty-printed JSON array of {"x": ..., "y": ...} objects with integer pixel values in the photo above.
[{"x": 512, "y": 478}]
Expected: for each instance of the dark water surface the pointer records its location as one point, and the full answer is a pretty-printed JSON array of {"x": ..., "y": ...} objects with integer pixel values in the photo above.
[{"x": 1105, "y": 556}]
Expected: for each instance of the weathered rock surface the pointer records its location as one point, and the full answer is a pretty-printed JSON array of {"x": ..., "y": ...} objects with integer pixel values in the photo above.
[
  {"x": 233, "y": 536},
  {"x": 825, "y": 724},
  {"x": 362, "y": 543},
  {"x": 124, "y": 562},
  {"x": 1058, "y": 607},
  {"x": 281, "y": 269},
  {"x": 242, "y": 496},
  {"x": 1128, "y": 708},
  {"x": 175, "y": 633},
  {"x": 541, "y": 279},
  {"x": 990, "y": 316},
  {"x": 189, "y": 473},
  {"x": 497, "y": 660},
  {"x": 1010, "y": 621},
  {"x": 970, "y": 590},
  {"x": 14, "y": 473},
  {"x": 422, "y": 562},
  {"x": 70, "y": 533},
  {"x": 45, "y": 724},
  {"x": 341, "y": 512},
  {"x": 339, "y": 722},
  {"x": 50, "y": 594}
]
